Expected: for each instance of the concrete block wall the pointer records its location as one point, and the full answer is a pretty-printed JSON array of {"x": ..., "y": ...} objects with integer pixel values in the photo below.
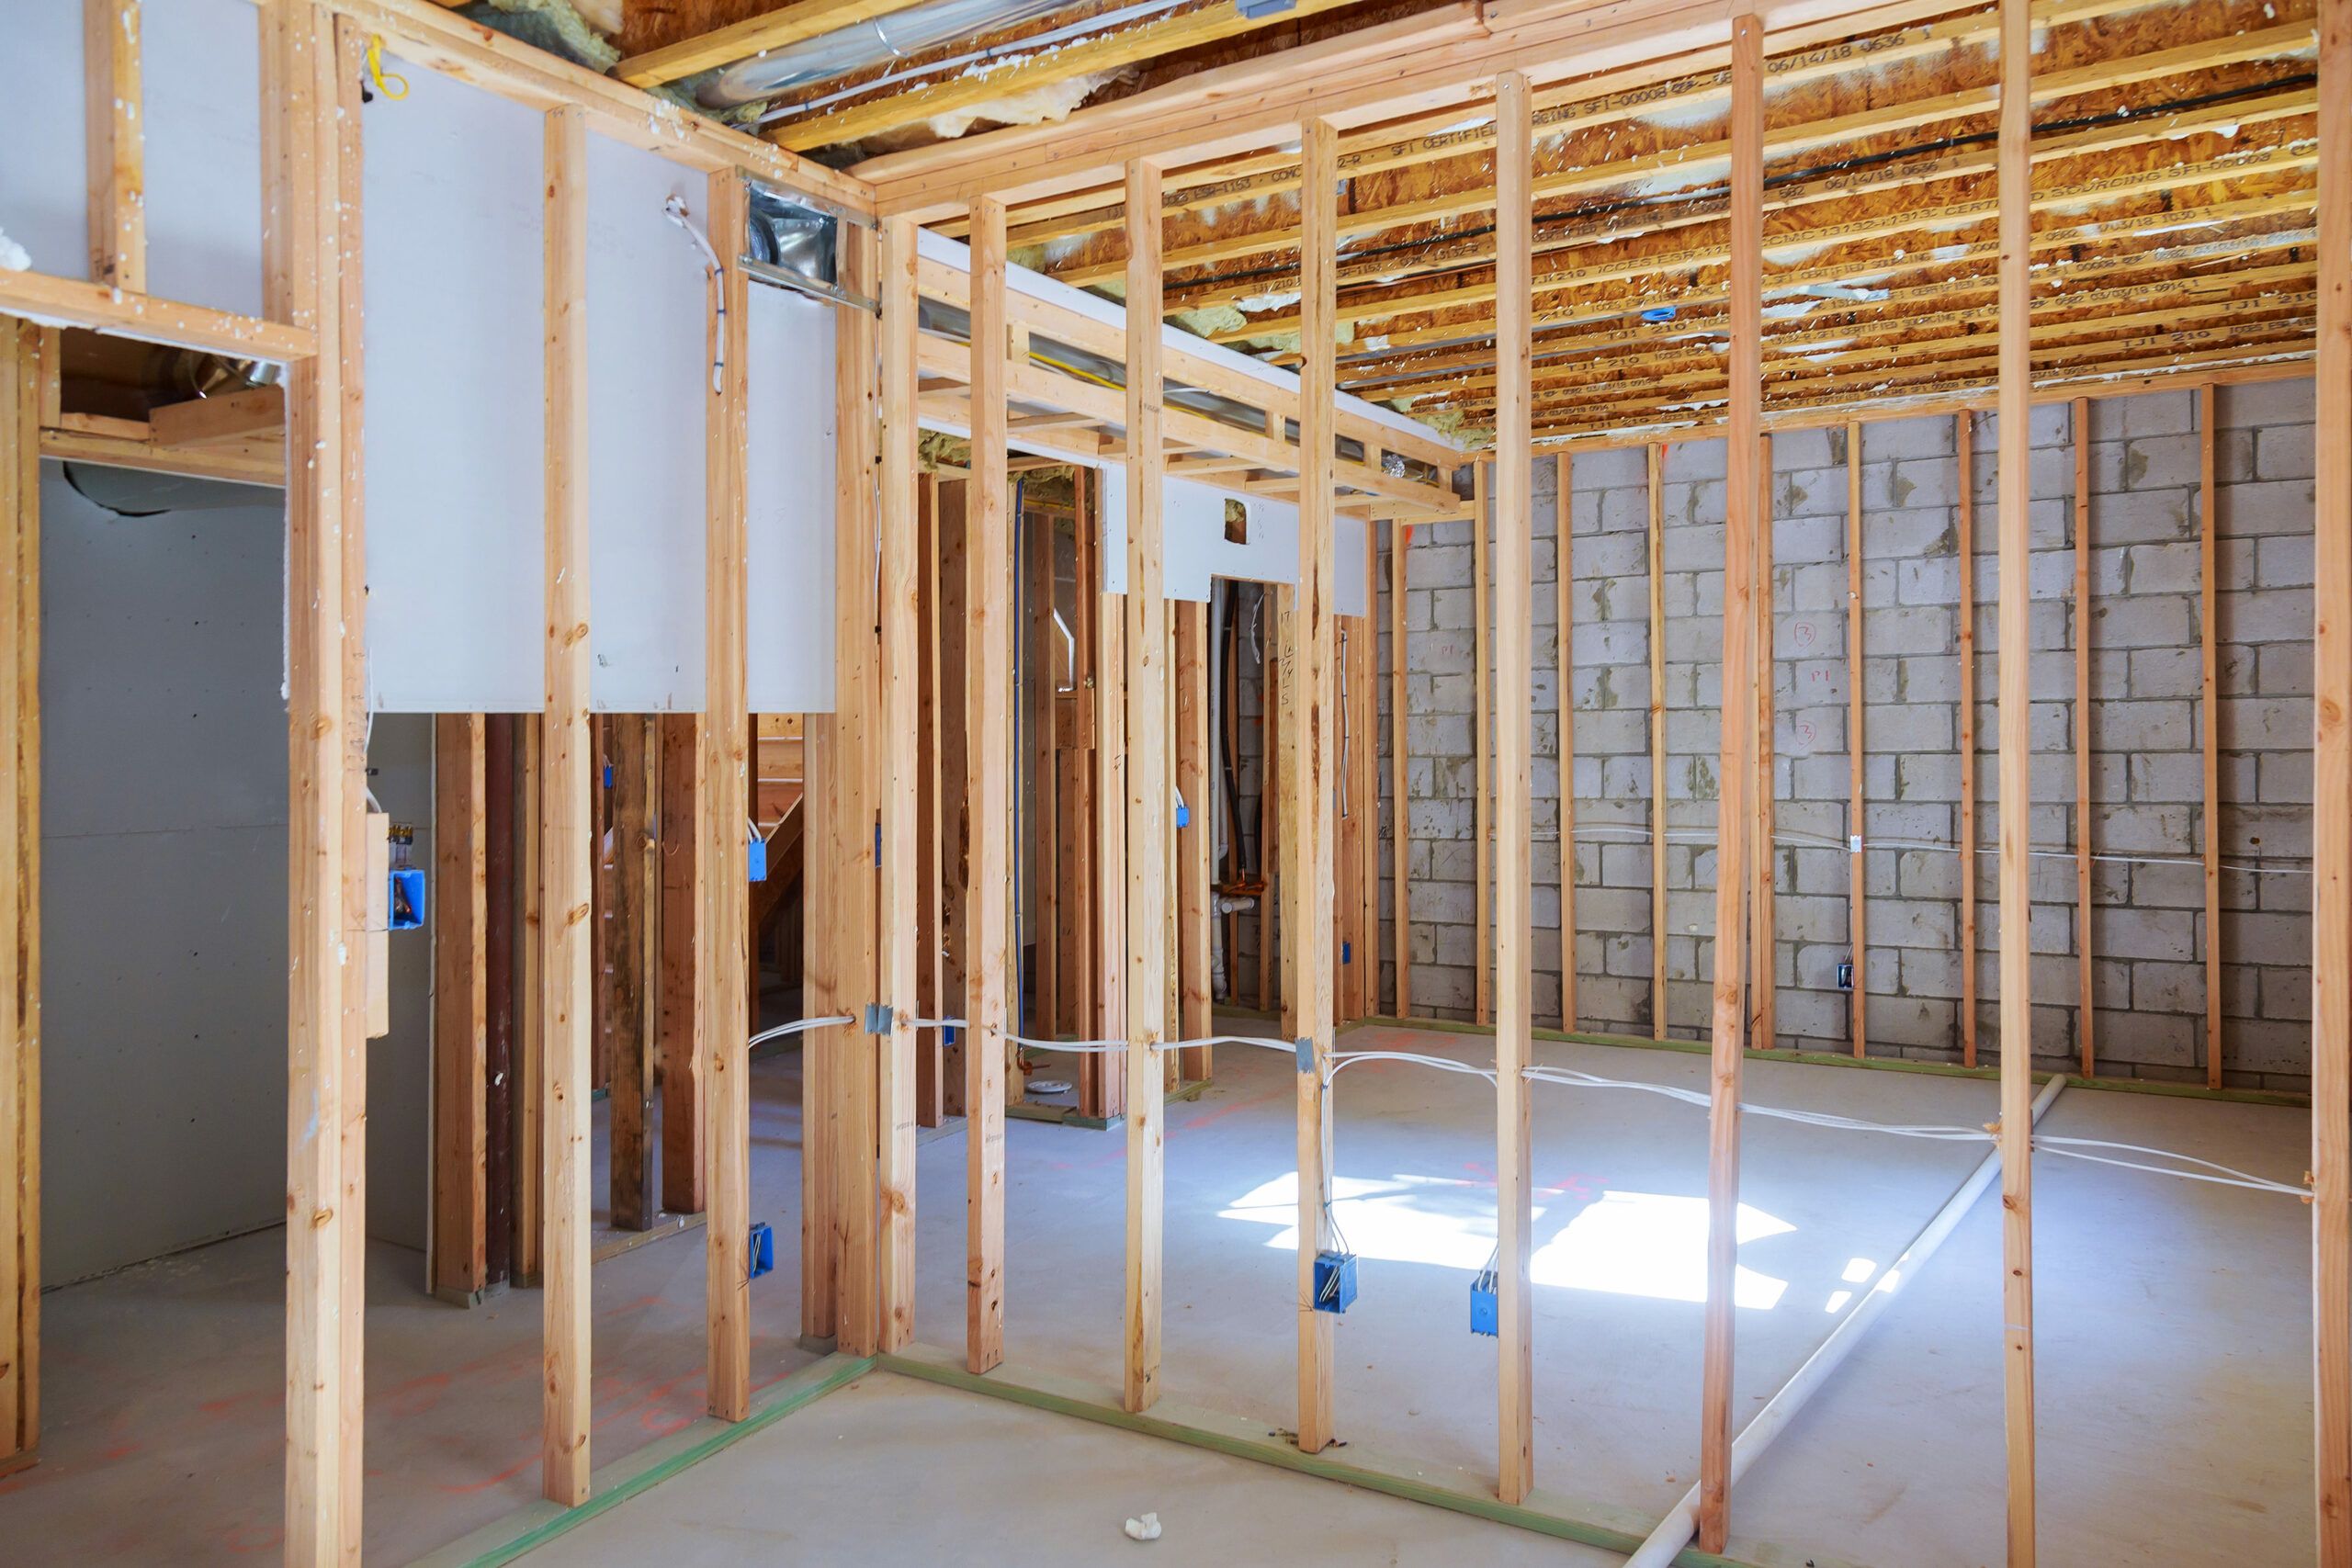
[{"x": 2144, "y": 729}]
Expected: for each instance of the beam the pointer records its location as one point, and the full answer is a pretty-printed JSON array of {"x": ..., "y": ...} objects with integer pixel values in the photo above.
[
  {"x": 461, "y": 910},
  {"x": 1656, "y": 557},
  {"x": 1857, "y": 754},
  {"x": 752, "y": 36},
  {"x": 724, "y": 937},
  {"x": 1514, "y": 805},
  {"x": 990, "y": 963},
  {"x": 2332, "y": 830},
  {"x": 2209, "y": 723},
  {"x": 566, "y": 823},
  {"x": 1146, "y": 803},
  {"x": 68, "y": 302},
  {"x": 1400, "y": 822},
  {"x": 308, "y": 279},
  {"x": 1744, "y": 488},
  {"x": 2013, "y": 491},
  {"x": 115, "y": 143},
  {"x": 895, "y": 776},
  {"x": 2085, "y": 1001},
  {"x": 1964, "y": 645},
  {"x": 1307, "y": 691}
]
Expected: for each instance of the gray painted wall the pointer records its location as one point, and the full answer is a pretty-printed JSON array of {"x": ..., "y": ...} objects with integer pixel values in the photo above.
[
  {"x": 164, "y": 893},
  {"x": 164, "y": 879}
]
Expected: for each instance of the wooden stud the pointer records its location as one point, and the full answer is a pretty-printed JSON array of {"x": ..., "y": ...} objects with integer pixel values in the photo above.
[
  {"x": 565, "y": 826},
  {"x": 2331, "y": 829},
  {"x": 931, "y": 902},
  {"x": 21, "y": 374},
  {"x": 1103, "y": 1078},
  {"x": 1657, "y": 479},
  {"x": 1146, "y": 803},
  {"x": 1564, "y": 569},
  {"x": 2209, "y": 724},
  {"x": 1195, "y": 842},
  {"x": 377, "y": 954},
  {"x": 1964, "y": 640},
  {"x": 895, "y": 899},
  {"x": 1856, "y": 751},
  {"x": 1271, "y": 619},
  {"x": 990, "y": 966},
  {"x": 311, "y": 280},
  {"x": 1039, "y": 663},
  {"x": 627, "y": 982},
  {"x": 460, "y": 913},
  {"x": 684, "y": 833},
  {"x": 1365, "y": 758},
  {"x": 499, "y": 944},
  {"x": 1764, "y": 958},
  {"x": 1308, "y": 689},
  {"x": 1482, "y": 737},
  {"x": 1514, "y": 805},
  {"x": 1739, "y": 680},
  {"x": 2013, "y": 493},
  {"x": 530, "y": 992},
  {"x": 2085, "y": 1015},
  {"x": 837, "y": 899},
  {"x": 115, "y": 143},
  {"x": 1400, "y": 817}
]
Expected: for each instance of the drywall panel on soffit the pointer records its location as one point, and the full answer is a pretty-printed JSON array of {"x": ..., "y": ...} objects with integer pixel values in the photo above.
[
  {"x": 1197, "y": 553},
  {"x": 455, "y": 402},
  {"x": 788, "y": 526},
  {"x": 201, "y": 79},
  {"x": 648, "y": 391},
  {"x": 44, "y": 191}
]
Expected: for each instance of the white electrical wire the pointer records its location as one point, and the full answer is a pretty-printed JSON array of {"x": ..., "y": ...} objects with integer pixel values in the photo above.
[
  {"x": 2230, "y": 1176},
  {"x": 799, "y": 1026},
  {"x": 1446, "y": 1063}
]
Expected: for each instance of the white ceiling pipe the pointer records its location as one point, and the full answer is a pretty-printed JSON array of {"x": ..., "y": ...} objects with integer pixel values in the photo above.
[{"x": 1674, "y": 1531}]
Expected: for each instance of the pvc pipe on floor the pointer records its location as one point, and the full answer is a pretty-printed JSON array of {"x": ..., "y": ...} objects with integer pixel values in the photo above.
[{"x": 1674, "y": 1531}]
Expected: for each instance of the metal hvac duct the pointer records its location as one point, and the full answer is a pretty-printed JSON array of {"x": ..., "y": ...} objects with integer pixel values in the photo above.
[{"x": 135, "y": 492}]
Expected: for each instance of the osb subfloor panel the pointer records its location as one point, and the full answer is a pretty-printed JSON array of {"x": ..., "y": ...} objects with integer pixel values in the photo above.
[{"x": 2174, "y": 1322}]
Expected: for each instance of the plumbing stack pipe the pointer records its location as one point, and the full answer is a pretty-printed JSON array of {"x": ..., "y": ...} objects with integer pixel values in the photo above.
[{"x": 1674, "y": 1531}]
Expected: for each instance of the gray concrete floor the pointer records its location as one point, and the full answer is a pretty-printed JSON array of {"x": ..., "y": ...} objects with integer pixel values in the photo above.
[{"x": 2174, "y": 1323}]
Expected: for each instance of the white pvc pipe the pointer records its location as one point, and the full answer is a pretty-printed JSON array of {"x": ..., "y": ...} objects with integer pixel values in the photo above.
[{"x": 1674, "y": 1531}]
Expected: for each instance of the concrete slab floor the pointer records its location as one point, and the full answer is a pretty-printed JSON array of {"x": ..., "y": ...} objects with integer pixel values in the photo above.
[
  {"x": 998, "y": 1483},
  {"x": 2173, "y": 1322}
]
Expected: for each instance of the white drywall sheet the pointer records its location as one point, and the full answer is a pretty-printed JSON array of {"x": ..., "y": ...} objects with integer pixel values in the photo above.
[
  {"x": 44, "y": 188},
  {"x": 1197, "y": 552},
  {"x": 201, "y": 81},
  {"x": 454, "y": 447},
  {"x": 789, "y": 526},
  {"x": 649, "y": 397}
]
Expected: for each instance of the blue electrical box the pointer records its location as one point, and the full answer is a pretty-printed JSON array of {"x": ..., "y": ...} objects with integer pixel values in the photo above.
[
  {"x": 1335, "y": 1280},
  {"x": 1184, "y": 812},
  {"x": 757, "y": 858},
  {"x": 1482, "y": 1301},
  {"x": 762, "y": 1250},
  {"x": 407, "y": 903}
]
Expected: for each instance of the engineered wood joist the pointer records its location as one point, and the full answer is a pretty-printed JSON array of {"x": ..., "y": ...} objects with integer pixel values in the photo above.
[{"x": 753, "y": 35}]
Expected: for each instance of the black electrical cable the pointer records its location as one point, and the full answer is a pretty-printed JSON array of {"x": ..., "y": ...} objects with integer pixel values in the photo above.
[{"x": 1864, "y": 161}]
